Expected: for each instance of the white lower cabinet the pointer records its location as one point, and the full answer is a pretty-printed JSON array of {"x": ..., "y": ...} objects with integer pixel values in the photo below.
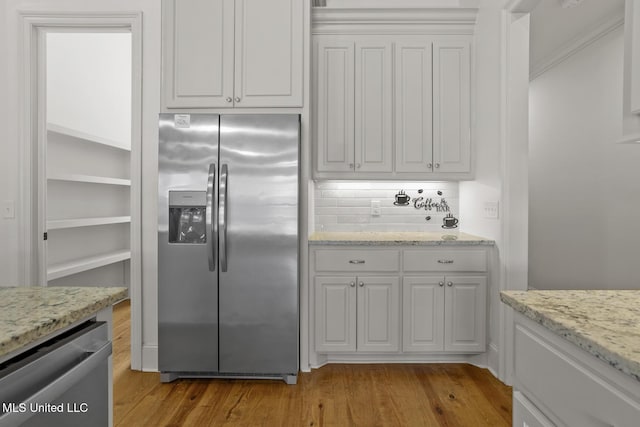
[
  {"x": 357, "y": 313},
  {"x": 558, "y": 383},
  {"x": 444, "y": 313},
  {"x": 398, "y": 300}
]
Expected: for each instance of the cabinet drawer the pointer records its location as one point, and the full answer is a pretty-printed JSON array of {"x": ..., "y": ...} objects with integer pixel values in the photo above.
[
  {"x": 445, "y": 260},
  {"x": 356, "y": 260}
]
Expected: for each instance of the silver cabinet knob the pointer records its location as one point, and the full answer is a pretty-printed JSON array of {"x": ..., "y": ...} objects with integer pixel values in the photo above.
[
  {"x": 237, "y": 99},
  {"x": 229, "y": 99},
  {"x": 429, "y": 165},
  {"x": 357, "y": 165},
  {"x": 351, "y": 166},
  {"x": 361, "y": 284},
  {"x": 437, "y": 165},
  {"x": 449, "y": 284},
  {"x": 352, "y": 284},
  {"x": 441, "y": 283}
]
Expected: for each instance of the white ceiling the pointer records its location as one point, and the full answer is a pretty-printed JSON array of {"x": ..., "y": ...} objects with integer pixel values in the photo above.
[{"x": 553, "y": 26}]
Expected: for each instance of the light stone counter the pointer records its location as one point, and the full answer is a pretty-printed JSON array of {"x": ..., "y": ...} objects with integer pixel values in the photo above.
[
  {"x": 28, "y": 314},
  {"x": 605, "y": 323},
  {"x": 419, "y": 238}
]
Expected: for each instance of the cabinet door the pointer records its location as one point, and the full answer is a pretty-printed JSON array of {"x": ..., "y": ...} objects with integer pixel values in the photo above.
[
  {"x": 423, "y": 313},
  {"x": 373, "y": 107},
  {"x": 451, "y": 107},
  {"x": 268, "y": 53},
  {"x": 335, "y": 314},
  {"x": 378, "y": 314},
  {"x": 334, "y": 100},
  {"x": 465, "y": 313},
  {"x": 413, "y": 107},
  {"x": 198, "y": 53}
]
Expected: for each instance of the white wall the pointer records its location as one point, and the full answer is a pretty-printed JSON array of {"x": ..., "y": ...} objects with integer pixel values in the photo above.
[
  {"x": 584, "y": 231},
  {"x": 486, "y": 137},
  {"x": 8, "y": 168},
  {"x": 89, "y": 83}
]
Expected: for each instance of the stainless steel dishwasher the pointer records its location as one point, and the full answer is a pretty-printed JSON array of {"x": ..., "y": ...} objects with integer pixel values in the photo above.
[{"x": 63, "y": 382}]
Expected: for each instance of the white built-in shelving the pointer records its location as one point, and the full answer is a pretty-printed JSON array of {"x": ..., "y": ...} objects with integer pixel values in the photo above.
[
  {"x": 88, "y": 179},
  {"x": 68, "y": 132},
  {"x": 88, "y": 221},
  {"x": 56, "y": 271},
  {"x": 58, "y": 224}
]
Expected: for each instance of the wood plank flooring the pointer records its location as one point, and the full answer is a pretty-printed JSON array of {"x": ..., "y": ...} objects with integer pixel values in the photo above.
[{"x": 334, "y": 395}]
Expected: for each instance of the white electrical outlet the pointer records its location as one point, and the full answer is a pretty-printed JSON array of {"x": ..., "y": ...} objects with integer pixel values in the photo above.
[
  {"x": 491, "y": 209},
  {"x": 375, "y": 208},
  {"x": 8, "y": 209}
]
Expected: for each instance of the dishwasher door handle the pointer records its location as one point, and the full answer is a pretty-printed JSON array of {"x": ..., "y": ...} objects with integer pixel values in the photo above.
[{"x": 54, "y": 389}]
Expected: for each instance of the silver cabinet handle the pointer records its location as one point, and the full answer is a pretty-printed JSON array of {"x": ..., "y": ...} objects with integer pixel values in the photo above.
[
  {"x": 237, "y": 99},
  {"x": 229, "y": 99},
  {"x": 445, "y": 261},
  {"x": 441, "y": 283},
  {"x": 437, "y": 165},
  {"x": 351, "y": 166},
  {"x": 352, "y": 284},
  {"x": 356, "y": 261},
  {"x": 211, "y": 216},
  {"x": 429, "y": 165},
  {"x": 358, "y": 165},
  {"x": 449, "y": 284},
  {"x": 361, "y": 284},
  {"x": 222, "y": 214}
]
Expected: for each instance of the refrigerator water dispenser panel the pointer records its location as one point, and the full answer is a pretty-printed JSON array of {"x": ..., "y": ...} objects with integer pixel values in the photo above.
[{"x": 187, "y": 213}]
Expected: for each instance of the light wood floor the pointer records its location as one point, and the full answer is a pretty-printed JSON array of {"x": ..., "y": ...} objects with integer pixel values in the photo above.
[{"x": 334, "y": 395}]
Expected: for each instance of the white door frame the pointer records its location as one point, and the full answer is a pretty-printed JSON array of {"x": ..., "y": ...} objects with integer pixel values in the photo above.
[
  {"x": 32, "y": 131},
  {"x": 515, "y": 171}
]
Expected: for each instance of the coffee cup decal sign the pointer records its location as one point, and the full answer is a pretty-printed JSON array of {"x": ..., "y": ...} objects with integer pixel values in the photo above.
[
  {"x": 402, "y": 199},
  {"x": 449, "y": 221}
]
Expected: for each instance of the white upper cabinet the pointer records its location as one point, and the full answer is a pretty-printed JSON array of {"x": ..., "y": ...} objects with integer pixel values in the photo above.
[
  {"x": 392, "y": 93},
  {"x": 373, "y": 104},
  {"x": 232, "y": 53},
  {"x": 334, "y": 106},
  {"x": 392, "y": 107},
  {"x": 413, "y": 107},
  {"x": 451, "y": 107}
]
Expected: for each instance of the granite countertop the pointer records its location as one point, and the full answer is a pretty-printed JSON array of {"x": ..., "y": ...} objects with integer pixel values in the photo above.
[
  {"x": 28, "y": 314},
  {"x": 421, "y": 238},
  {"x": 605, "y": 323}
]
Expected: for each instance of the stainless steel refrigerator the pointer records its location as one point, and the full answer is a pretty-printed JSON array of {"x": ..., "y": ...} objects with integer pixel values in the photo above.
[{"x": 228, "y": 246}]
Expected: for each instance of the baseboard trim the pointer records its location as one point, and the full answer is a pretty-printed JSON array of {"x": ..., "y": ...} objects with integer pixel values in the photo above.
[{"x": 149, "y": 358}]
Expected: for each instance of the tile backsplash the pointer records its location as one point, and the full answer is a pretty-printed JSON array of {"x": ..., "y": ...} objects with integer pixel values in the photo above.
[{"x": 347, "y": 206}]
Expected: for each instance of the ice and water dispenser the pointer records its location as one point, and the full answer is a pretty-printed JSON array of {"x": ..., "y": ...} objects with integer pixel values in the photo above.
[{"x": 187, "y": 210}]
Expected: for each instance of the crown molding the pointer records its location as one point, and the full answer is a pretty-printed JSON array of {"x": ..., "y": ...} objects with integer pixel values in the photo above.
[
  {"x": 576, "y": 45},
  {"x": 393, "y": 20}
]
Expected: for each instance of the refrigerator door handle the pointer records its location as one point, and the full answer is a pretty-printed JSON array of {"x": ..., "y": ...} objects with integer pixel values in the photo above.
[
  {"x": 211, "y": 238},
  {"x": 224, "y": 174}
]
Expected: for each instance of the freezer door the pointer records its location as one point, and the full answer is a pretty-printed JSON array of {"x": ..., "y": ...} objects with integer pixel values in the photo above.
[
  {"x": 187, "y": 270},
  {"x": 258, "y": 226}
]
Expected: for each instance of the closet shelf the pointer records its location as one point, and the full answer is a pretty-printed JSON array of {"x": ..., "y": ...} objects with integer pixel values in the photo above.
[
  {"x": 88, "y": 179},
  {"x": 62, "y": 130},
  {"x": 56, "y": 224},
  {"x": 79, "y": 265}
]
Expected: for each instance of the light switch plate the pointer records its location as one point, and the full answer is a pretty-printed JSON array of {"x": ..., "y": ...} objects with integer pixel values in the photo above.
[
  {"x": 8, "y": 209},
  {"x": 375, "y": 208},
  {"x": 491, "y": 209}
]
